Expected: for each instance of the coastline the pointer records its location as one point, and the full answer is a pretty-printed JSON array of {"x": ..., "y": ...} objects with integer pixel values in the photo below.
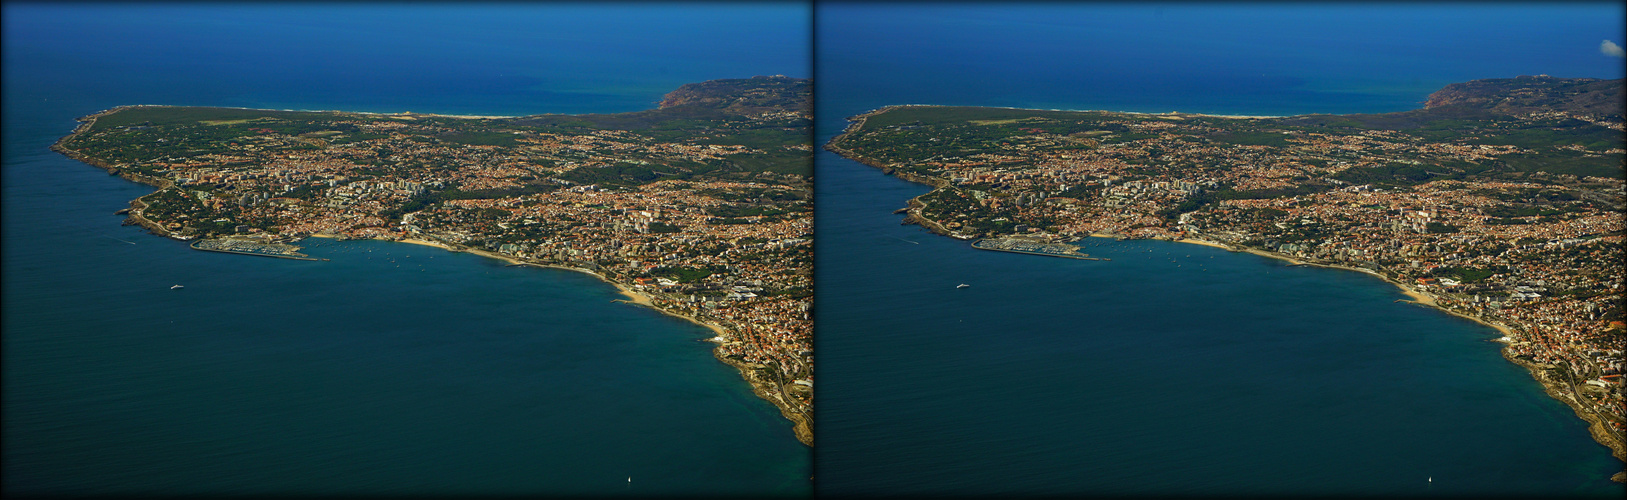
[
  {"x": 407, "y": 114},
  {"x": 1554, "y": 388},
  {"x": 1176, "y": 114},
  {"x": 133, "y": 214},
  {"x": 914, "y": 206},
  {"x": 802, "y": 424},
  {"x": 400, "y": 114}
]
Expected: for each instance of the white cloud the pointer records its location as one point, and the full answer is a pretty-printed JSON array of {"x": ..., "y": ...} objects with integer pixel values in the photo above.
[{"x": 1610, "y": 48}]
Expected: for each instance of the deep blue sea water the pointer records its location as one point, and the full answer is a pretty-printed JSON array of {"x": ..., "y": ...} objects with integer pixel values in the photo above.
[
  {"x": 1174, "y": 368},
  {"x": 1171, "y": 369},
  {"x": 392, "y": 368}
]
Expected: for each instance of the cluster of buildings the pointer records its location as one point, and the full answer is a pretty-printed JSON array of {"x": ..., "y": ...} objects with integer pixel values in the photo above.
[
  {"x": 1537, "y": 252},
  {"x": 733, "y": 253}
]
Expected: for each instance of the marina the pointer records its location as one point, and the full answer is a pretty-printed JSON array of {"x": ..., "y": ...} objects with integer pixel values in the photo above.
[
  {"x": 243, "y": 247},
  {"x": 1032, "y": 247}
]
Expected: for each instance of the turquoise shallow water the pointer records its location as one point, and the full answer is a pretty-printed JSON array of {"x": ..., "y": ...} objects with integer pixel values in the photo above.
[{"x": 391, "y": 368}]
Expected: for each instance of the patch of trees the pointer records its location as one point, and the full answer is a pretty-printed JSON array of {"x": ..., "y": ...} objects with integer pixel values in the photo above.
[
  {"x": 1440, "y": 227},
  {"x": 684, "y": 274},
  {"x": 618, "y": 174},
  {"x": 1468, "y": 274}
]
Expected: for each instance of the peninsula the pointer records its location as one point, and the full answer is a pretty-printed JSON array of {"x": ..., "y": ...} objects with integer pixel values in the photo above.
[
  {"x": 1500, "y": 201},
  {"x": 699, "y": 208}
]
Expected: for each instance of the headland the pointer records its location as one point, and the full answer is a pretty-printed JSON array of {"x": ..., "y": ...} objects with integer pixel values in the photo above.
[
  {"x": 1499, "y": 202},
  {"x": 698, "y": 209}
]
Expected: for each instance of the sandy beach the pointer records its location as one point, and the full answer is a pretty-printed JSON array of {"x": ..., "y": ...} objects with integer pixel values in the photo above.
[
  {"x": 1170, "y": 114},
  {"x": 721, "y": 333},
  {"x": 477, "y": 117},
  {"x": 1275, "y": 255},
  {"x": 408, "y": 115},
  {"x": 404, "y": 114},
  {"x": 1206, "y": 243},
  {"x": 427, "y": 243},
  {"x": 1419, "y": 297},
  {"x": 1255, "y": 117},
  {"x": 498, "y": 256},
  {"x": 1177, "y": 115},
  {"x": 635, "y": 297}
]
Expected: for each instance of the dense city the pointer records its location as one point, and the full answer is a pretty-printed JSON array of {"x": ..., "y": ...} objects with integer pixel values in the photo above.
[
  {"x": 1502, "y": 201},
  {"x": 699, "y": 208}
]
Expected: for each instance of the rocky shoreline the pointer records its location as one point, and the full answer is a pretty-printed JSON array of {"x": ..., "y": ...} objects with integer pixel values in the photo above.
[
  {"x": 1559, "y": 390},
  {"x": 133, "y": 214}
]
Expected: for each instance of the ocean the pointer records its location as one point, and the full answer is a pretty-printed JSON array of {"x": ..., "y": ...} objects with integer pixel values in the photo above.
[
  {"x": 1172, "y": 369},
  {"x": 394, "y": 369},
  {"x": 390, "y": 368}
]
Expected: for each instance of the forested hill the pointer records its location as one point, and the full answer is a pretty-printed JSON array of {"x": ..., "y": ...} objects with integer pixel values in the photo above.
[
  {"x": 761, "y": 94},
  {"x": 1531, "y": 94},
  {"x": 757, "y": 99},
  {"x": 1588, "y": 106}
]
